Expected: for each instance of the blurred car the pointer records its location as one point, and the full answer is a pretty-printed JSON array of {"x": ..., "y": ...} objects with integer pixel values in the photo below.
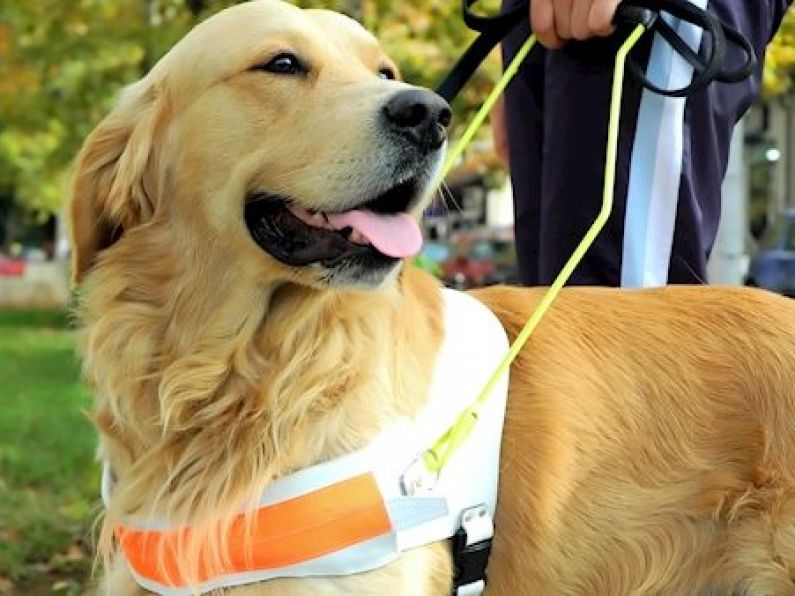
[
  {"x": 773, "y": 266},
  {"x": 464, "y": 272},
  {"x": 485, "y": 262},
  {"x": 11, "y": 267}
]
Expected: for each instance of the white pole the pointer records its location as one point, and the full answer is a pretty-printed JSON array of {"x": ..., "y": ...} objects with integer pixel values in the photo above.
[{"x": 728, "y": 264}]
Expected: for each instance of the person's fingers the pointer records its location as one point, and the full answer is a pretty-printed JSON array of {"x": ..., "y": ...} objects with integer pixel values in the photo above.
[
  {"x": 600, "y": 20},
  {"x": 580, "y": 15},
  {"x": 556, "y": 21},
  {"x": 542, "y": 22},
  {"x": 563, "y": 10}
]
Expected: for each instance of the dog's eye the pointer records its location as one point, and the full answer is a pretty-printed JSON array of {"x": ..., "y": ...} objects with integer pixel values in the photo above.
[
  {"x": 386, "y": 73},
  {"x": 284, "y": 63}
]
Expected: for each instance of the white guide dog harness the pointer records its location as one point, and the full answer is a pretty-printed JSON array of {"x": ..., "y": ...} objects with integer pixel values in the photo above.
[{"x": 360, "y": 511}]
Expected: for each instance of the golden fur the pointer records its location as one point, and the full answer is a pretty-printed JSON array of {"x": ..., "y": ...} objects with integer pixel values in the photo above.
[{"x": 648, "y": 446}]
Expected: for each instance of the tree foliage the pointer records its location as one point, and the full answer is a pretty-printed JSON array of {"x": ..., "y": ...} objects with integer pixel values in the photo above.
[
  {"x": 780, "y": 59},
  {"x": 63, "y": 63}
]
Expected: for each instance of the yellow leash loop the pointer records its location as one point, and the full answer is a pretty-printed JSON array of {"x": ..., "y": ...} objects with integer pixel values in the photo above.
[{"x": 438, "y": 455}]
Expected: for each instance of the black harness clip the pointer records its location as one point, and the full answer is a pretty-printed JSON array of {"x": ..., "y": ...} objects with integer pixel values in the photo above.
[{"x": 471, "y": 550}]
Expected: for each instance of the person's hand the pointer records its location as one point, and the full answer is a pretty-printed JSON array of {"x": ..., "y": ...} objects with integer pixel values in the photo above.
[{"x": 557, "y": 21}]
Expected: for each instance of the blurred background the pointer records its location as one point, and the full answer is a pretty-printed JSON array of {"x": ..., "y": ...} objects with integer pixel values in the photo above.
[{"x": 62, "y": 64}]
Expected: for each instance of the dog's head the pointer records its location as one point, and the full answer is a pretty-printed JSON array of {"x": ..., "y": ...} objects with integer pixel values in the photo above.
[{"x": 282, "y": 134}]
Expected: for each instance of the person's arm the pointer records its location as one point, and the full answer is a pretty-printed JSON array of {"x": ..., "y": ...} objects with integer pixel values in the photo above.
[
  {"x": 557, "y": 21},
  {"x": 499, "y": 132}
]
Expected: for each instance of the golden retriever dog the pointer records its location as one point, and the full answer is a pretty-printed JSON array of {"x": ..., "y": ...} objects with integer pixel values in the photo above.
[{"x": 239, "y": 223}]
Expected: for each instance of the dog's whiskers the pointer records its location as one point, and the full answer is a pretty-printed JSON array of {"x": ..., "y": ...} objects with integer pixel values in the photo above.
[{"x": 447, "y": 195}]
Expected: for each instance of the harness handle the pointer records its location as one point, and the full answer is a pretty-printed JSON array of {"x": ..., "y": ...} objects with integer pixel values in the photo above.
[
  {"x": 436, "y": 457},
  {"x": 645, "y": 15}
]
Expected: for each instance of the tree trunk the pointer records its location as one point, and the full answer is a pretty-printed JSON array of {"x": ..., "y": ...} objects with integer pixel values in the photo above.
[
  {"x": 195, "y": 7},
  {"x": 11, "y": 227}
]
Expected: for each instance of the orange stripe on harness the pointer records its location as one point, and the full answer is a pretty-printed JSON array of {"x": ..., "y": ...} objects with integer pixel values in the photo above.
[{"x": 292, "y": 531}]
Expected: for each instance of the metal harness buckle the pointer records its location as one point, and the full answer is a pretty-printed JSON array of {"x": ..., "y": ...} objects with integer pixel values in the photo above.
[{"x": 471, "y": 550}]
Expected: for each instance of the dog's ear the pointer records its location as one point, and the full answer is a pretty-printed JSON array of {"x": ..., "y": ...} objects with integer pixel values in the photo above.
[{"x": 118, "y": 182}]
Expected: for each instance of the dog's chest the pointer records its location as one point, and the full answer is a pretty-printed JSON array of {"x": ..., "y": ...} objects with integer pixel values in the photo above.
[{"x": 361, "y": 511}]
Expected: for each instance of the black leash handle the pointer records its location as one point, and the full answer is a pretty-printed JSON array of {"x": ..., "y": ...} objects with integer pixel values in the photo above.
[
  {"x": 705, "y": 70},
  {"x": 493, "y": 29}
]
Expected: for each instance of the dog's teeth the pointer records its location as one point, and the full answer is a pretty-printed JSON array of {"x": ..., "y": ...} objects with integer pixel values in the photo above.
[
  {"x": 318, "y": 218},
  {"x": 357, "y": 237}
]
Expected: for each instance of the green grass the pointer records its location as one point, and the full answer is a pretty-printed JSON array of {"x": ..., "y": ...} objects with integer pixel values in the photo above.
[{"x": 48, "y": 479}]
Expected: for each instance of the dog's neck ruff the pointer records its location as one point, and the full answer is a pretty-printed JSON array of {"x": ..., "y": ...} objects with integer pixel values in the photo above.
[{"x": 356, "y": 513}]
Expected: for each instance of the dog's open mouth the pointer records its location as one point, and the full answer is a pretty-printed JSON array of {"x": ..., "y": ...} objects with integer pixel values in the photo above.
[{"x": 380, "y": 230}]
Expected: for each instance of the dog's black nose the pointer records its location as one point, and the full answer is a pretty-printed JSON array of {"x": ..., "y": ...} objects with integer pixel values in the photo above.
[{"x": 419, "y": 114}]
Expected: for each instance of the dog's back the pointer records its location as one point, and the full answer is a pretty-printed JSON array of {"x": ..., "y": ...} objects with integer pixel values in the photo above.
[{"x": 649, "y": 444}]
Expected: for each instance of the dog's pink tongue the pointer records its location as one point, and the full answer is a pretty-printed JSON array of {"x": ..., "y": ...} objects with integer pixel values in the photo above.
[{"x": 395, "y": 235}]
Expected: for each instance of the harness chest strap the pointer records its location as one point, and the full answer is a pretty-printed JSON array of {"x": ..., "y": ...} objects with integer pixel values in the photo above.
[
  {"x": 358, "y": 512},
  {"x": 346, "y": 527}
]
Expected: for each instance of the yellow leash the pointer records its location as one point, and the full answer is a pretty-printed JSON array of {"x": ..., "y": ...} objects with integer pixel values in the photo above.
[{"x": 438, "y": 455}]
